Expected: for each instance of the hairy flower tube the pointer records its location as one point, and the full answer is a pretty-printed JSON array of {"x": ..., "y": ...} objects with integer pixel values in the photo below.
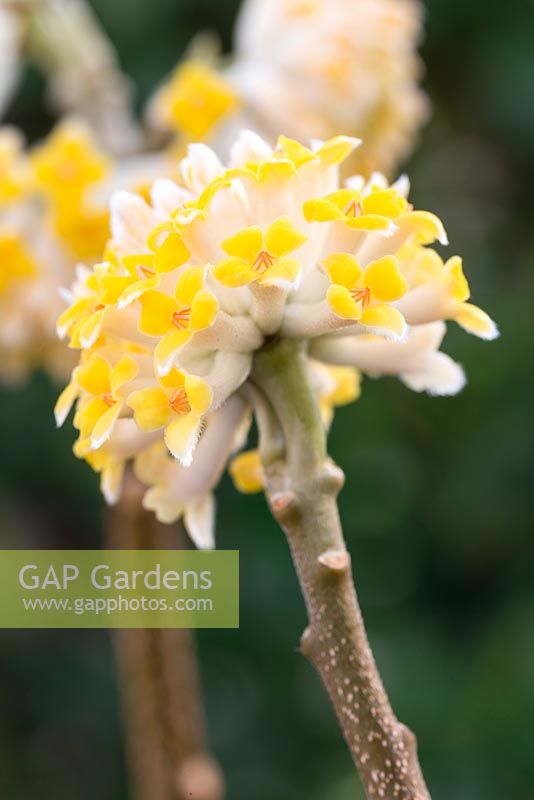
[
  {"x": 213, "y": 270},
  {"x": 311, "y": 68}
]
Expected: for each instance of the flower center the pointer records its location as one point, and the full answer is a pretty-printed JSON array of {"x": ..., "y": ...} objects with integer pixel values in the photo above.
[
  {"x": 144, "y": 272},
  {"x": 179, "y": 402},
  {"x": 263, "y": 261},
  {"x": 353, "y": 209},
  {"x": 362, "y": 294},
  {"x": 108, "y": 400},
  {"x": 180, "y": 319}
]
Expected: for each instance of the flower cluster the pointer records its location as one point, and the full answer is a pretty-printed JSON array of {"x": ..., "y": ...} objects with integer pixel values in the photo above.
[
  {"x": 217, "y": 266},
  {"x": 311, "y": 68}
]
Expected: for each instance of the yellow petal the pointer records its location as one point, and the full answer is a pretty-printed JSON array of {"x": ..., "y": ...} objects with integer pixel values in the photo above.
[
  {"x": 233, "y": 272},
  {"x": 321, "y": 210},
  {"x": 88, "y": 414},
  {"x": 344, "y": 199},
  {"x": 104, "y": 426},
  {"x": 190, "y": 282},
  {"x": 384, "y": 317},
  {"x": 123, "y": 372},
  {"x": 181, "y": 436},
  {"x": 166, "y": 349},
  {"x": 65, "y": 402},
  {"x": 346, "y": 385},
  {"x": 206, "y": 196},
  {"x": 111, "y": 481},
  {"x": 476, "y": 321},
  {"x": 94, "y": 376},
  {"x": 275, "y": 169},
  {"x": 136, "y": 289},
  {"x": 385, "y": 279},
  {"x": 247, "y": 472},
  {"x": 384, "y": 202},
  {"x": 172, "y": 253},
  {"x": 157, "y": 309},
  {"x": 70, "y": 315},
  {"x": 112, "y": 288},
  {"x": 281, "y": 237},
  {"x": 91, "y": 328},
  {"x": 342, "y": 303},
  {"x": 425, "y": 227},
  {"x": 175, "y": 379},
  {"x": 151, "y": 408},
  {"x": 245, "y": 245},
  {"x": 370, "y": 222},
  {"x": 295, "y": 151},
  {"x": 283, "y": 271},
  {"x": 337, "y": 149},
  {"x": 203, "y": 311},
  {"x": 343, "y": 269},
  {"x": 199, "y": 394},
  {"x": 454, "y": 271}
]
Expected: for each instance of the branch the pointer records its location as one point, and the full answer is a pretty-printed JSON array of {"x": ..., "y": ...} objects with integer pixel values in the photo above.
[
  {"x": 302, "y": 489},
  {"x": 159, "y": 681}
]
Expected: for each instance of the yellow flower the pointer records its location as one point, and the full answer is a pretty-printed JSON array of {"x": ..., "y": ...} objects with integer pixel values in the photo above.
[
  {"x": 101, "y": 387},
  {"x": 372, "y": 212},
  {"x": 344, "y": 388},
  {"x": 176, "y": 404},
  {"x": 67, "y": 163},
  {"x": 16, "y": 262},
  {"x": 261, "y": 255},
  {"x": 194, "y": 100},
  {"x": 247, "y": 472},
  {"x": 176, "y": 318},
  {"x": 15, "y": 178},
  {"x": 145, "y": 270},
  {"x": 364, "y": 294}
]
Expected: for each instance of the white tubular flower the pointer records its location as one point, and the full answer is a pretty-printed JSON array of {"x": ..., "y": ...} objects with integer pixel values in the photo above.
[
  {"x": 177, "y": 491},
  {"x": 314, "y": 67},
  {"x": 416, "y": 361},
  {"x": 221, "y": 265}
]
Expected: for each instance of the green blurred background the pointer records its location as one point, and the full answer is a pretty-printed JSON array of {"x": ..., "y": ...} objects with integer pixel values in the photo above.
[{"x": 436, "y": 510}]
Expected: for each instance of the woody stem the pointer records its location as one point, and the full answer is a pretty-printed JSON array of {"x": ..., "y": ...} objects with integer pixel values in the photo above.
[
  {"x": 302, "y": 485},
  {"x": 160, "y": 687}
]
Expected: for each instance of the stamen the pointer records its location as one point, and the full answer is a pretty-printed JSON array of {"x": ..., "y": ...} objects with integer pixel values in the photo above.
[
  {"x": 362, "y": 294},
  {"x": 179, "y": 402},
  {"x": 353, "y": 209},
  {"x": 263, "y": 261},
  {"x": 144, "y": 272},
  {"x": 108, "y": 400},
  {"x": 99, "y": 307},
  {"x": 180, "y": 319}
]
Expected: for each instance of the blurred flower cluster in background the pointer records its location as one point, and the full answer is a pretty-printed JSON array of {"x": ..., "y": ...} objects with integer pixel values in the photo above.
[{"x": 437, "y": 520}]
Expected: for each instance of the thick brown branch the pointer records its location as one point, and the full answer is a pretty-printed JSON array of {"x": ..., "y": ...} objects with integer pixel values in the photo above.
[
  {"x": 302, "y": 490},
  {"x": 159, "y": 681}
]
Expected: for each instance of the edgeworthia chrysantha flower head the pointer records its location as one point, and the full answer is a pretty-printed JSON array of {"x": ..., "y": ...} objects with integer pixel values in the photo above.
[
  {"x": 311, "y": 68},
  {"x": 218, "y": 266}
]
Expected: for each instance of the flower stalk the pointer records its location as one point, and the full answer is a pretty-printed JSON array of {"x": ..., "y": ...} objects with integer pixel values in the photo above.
[
  {"x": 302, "y": 484},
  {"x": 160, "y": 685}
]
